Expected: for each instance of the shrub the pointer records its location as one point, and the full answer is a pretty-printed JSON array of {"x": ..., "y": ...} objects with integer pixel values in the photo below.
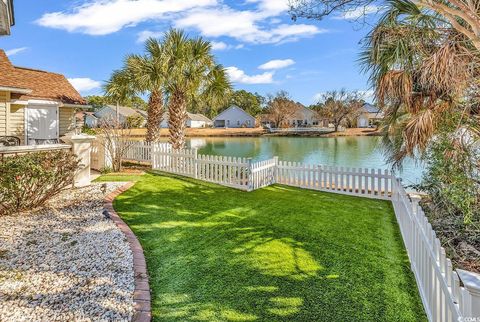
[
  {"x": 134, "y": 121},
  {"x": 452, "y": 181},
  {"x": 89, "y": 131},
  {"x": 29, "y": 180},
  {"x": 452, "y": 177}
]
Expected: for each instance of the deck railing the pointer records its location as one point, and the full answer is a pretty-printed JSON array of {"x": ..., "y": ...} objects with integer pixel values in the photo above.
[
  {"x": 301, "y": 130},
  {"x": 443, "y": 297}
]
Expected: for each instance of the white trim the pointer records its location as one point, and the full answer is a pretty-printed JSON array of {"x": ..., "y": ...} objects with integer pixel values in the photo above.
[
  {"x": 18, "y": 102},
  {"x": 75, "y": 105},
  {"x": 43, "y": 102},
  {"x": 15, "y": 90},
  {"x": 60, "y": 104}
]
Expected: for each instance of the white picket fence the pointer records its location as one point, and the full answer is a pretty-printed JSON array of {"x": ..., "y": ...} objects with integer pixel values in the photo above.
[
  {"x": 443, "y": 297},
  {"x": 263, "y": 173},
  {"x": 228, "y": 171},
  {"x": 368, "y": 183},
  {"x": 439, "y": 285},
  {"x": 140, "y": 151},
  {"x": 244, "y": 174}
]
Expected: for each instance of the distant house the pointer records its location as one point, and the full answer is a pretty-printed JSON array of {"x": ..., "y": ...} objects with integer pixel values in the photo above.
[
  {"x": 195, "y": 121},
  {"x": 299, "y": 117},
  {"x": 90, "y": 120},
  {"x": 7, "y": 18},
  {"x": 369, "y": 115},
  {"x": 303, "y": 117},
  {"x": 109, "y": 113},
  {"x": 234, "y": 117},
  {"x": 35, "y": 106}
]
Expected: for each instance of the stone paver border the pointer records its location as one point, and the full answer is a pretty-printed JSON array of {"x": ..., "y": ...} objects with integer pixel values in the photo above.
[{"x": 141, "y": 295}]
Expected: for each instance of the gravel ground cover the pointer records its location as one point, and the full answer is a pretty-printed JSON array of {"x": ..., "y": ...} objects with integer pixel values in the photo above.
[{"x": 66, "y": 262}]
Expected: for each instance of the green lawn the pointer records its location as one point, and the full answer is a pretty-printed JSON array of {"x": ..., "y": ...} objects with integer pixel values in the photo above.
[{"x": 275, "y": 254}]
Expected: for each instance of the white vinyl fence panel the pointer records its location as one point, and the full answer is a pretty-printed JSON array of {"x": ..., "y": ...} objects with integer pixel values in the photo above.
[
  {"x": 228, "y": 171},
  {"x": 369, "y": 183},
  {"x": 263, "y": 173},
  {"x": 139, "y": 151},
  {"x": 438, "y": 283}
]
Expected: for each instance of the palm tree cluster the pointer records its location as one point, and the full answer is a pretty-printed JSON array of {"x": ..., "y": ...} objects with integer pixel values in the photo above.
[
  {"x": 420, "y": 68},
  {"x": 176, "y": 72}
]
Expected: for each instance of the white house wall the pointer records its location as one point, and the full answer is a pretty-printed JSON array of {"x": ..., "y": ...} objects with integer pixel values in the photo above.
[{"x": 234, "y": 118}]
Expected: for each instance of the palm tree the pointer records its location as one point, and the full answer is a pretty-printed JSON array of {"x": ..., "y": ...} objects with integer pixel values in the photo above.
[
  {"x": 148, "y": 76},
  {"x": 420, "y": 68},
  {"x": 118, "y": 89},
  {"x": 191, "y": 74}
]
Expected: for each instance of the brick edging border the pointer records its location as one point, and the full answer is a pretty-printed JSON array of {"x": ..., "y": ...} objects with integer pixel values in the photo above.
[{"x": 141, "y": 295}]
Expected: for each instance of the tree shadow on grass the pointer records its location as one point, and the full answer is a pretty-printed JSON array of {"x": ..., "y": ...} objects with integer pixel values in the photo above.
[{"x": 215, "y": 253}]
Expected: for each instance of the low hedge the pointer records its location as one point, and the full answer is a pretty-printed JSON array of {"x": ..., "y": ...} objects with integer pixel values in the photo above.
[{"x": 28, "y": 181}]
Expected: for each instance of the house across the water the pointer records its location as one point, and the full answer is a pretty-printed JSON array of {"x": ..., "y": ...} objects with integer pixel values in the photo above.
[
  {"x": 298, "y": 116},
  {"x": 369, "y": 116},
  {"x": 234, "y": 117},
  {"x": 195, "y": 121},
  {"x": 36, "y": 106},
  {"x": 108, "y": 113}
]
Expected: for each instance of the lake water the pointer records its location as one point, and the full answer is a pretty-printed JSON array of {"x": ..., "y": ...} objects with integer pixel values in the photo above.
[{"x": 352, "y": 151}]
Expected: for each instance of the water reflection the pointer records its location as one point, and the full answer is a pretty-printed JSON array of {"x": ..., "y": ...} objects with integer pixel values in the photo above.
[{"x": 358, "y": 152}]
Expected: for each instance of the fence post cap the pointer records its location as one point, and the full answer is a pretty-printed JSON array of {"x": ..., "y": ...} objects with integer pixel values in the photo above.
[
  {"x": 471, "y": 281},
  {"x": 82, "y": 138}
]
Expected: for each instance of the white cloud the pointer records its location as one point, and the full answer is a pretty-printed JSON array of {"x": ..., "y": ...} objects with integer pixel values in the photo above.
[
  {"x": 246, "y": 26},
  {"x": 272, "y": 7},
  {"x": 15, "y": 51},
  {"x": 238, "y": 76},
  {"x": 259, "y": 24},
  {"x": 318, "y": 97},
  {"x": 102, "y": 17},
  {"x": 220, "y": 45},
  {"x": 358, "y": 12},
  {"x": 84, "y": 84},
  {"x": 368, "y": 95},
  {"x": 277, "y": 64},
  {"x": 142, "y": 36}
]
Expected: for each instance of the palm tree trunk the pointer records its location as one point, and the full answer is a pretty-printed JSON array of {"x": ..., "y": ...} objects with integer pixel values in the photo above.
[
  {"x": 155, "y": 114},
  {"x": 177, "y": 111}
]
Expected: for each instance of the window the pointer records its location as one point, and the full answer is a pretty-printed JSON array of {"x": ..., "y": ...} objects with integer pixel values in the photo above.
[
  {"x": 248, "y": 122},
  {"x": 238, "y": 122},
  {"x": 228, "y": 122}
]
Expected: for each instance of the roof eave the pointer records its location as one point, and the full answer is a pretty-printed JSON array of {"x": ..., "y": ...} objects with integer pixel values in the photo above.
[{"x": 15, "y": 90}]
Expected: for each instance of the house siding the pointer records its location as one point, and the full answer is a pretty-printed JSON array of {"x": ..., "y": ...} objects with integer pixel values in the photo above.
[
  {"x": 66, "y": 119},
  {"x": 234, "y": 117},
  {"x": 3, "y": 113},
  {"x": 17, "y": 121},
  {"x": 13, "y": 123}
]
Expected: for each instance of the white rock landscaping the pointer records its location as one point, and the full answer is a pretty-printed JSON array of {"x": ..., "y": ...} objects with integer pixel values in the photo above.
[{"x": 66, "y": 262}]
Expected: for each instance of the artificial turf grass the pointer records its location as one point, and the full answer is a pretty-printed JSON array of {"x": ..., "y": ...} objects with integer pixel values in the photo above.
[
  {"x": 275, "y": 254},
  {"x": 118, "y": 177}
]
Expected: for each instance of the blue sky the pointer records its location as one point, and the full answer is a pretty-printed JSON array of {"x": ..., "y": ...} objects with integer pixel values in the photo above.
[{"x": 262, "y": 49}]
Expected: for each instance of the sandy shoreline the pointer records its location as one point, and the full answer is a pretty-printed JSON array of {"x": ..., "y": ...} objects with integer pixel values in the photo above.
[{"x": 257, "y": 132}]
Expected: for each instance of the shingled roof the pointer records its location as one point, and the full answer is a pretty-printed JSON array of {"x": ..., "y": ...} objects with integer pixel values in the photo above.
[{"x": 42, "y": 85}]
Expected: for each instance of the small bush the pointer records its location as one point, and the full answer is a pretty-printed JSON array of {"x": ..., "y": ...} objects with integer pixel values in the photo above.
[
  {"x": 89, "y": 131},
  {"x": 29, "y": 180}
]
